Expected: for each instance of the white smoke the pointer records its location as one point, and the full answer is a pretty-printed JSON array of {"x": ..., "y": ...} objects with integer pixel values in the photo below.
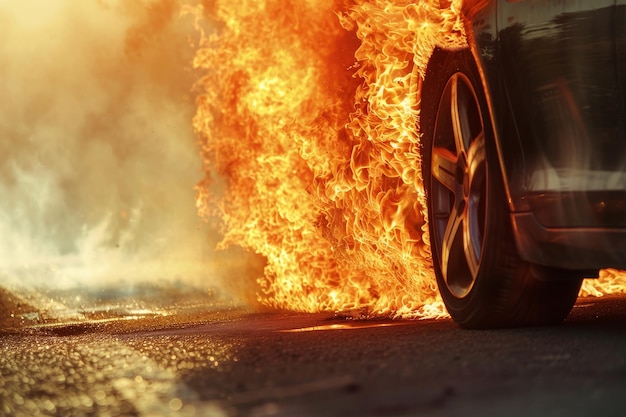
[{"x": 98, "y": 159}]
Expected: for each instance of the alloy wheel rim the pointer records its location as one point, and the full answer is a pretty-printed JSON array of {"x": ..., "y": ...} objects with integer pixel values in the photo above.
[{"x": 459, "y": 185}]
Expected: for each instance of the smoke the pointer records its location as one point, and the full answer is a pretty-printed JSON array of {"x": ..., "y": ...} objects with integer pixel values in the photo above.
[{"x": 98, "y": 158}]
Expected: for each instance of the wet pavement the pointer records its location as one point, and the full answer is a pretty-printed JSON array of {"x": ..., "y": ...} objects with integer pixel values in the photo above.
[{"x": 230, "y": 362}]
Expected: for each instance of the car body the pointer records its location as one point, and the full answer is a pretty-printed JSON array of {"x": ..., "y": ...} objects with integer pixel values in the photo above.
[
  {"x": 556, "y": 74},
  {"x": 549, "y": 80}
]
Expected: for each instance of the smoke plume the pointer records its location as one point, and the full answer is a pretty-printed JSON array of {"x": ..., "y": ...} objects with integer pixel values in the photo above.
[{"x": 98, "y": 158}]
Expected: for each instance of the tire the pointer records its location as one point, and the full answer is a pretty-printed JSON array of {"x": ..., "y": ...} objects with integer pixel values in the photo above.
[{"x": 482, "y": 280}]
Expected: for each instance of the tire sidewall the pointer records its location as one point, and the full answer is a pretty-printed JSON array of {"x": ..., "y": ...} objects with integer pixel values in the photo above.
[{"x": 466, "y": 308}]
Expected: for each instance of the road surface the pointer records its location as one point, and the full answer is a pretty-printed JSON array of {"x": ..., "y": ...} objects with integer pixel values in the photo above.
[{"x": 230, "y": 362}]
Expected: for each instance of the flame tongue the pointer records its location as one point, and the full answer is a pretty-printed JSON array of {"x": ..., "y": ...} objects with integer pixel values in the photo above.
[
  {"x": 320, "y": 155},
  {"x": 331, "y": 199},
  {"x": 270, "y": 115}
]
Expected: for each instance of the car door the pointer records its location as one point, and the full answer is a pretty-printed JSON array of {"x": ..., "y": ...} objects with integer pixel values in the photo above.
[{"x": 559, "y": 66}]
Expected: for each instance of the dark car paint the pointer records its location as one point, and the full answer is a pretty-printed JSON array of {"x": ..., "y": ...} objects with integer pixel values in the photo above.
[{"x": 555, "y": 75}]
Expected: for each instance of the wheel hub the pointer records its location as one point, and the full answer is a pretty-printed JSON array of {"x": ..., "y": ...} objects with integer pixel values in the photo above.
[{"x": 466, "y": 185}]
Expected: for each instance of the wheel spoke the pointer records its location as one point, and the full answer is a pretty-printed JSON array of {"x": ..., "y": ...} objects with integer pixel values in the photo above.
[
  {"x": 453, "y": 228},
  {"x": 472, "y": 252},
  {"x": 476, "y": 156},
  {"x": 458, "y": 127},
  {"x": 444, "y": 167}
]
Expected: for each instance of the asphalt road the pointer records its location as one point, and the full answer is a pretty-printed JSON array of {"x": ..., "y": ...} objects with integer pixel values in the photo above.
[{"x": 235, "y": 363}]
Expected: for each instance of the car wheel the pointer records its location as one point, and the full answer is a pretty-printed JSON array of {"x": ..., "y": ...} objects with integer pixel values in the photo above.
[{"x": 482, "y": 280}]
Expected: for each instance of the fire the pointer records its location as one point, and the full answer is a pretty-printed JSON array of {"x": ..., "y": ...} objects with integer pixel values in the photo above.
[
  {"x": 610, "y": 281},
  {"x": 308, "y": 122}
]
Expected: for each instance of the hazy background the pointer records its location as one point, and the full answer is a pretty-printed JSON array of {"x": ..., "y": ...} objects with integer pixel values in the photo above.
[{"x": 98, "y": 159}]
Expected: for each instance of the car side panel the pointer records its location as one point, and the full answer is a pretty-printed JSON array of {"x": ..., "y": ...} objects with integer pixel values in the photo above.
[
  {"x": 560, "y": 68},
  {"x": 555, "y": 73}
]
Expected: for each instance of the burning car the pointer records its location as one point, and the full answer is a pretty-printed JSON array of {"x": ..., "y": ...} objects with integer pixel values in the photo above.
[{"x": 524, "y": 158}]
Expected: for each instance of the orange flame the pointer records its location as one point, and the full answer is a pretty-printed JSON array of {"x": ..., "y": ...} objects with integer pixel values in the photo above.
[{"x": 312, "y": 159}]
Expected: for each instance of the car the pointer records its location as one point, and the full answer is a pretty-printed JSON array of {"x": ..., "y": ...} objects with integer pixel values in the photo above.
[{"x": 524, "y": 158}]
